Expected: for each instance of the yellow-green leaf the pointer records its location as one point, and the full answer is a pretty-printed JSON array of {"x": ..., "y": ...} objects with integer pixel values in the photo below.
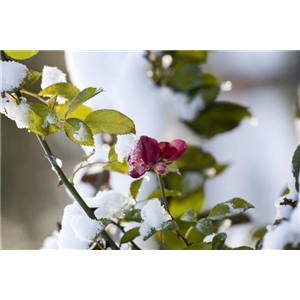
[
  {"x": 110, "y": 121},
  {"x": 79, "y": 113},
  {"x": 78, "y": 132},
  {"x": 130, "y": 235},
  {"x": 21, "y": 54},
  {"x": 63, "y": 89},
  {"x": 52, "y": 101},
  {"x": 114, "y": 164},
  {"x": 82, "y": 97},
  {"x": 42, "y": 120}
]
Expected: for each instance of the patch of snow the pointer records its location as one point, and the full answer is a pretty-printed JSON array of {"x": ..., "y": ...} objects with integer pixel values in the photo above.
[
  {"x": 209, "y": 238},
  {"x": 50, "y": 242},
  {"x": 78, "y": 230},
  {"x": 12, "y": 75},
  {"x": 14, "y": 111},
  {"x": 49, "y": 120},
  {"x": 125, "y": 145},
  {"x": 81, "y": 135},
  {"x": 153, "y": 215},
  {"x": 110, "y": 204}
]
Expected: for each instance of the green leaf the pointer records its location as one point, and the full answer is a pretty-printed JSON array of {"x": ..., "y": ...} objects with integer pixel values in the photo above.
[
  {"x": 133, "y": 215},
  {"x": 178, "y": 206},
  {"x": 168, "y": 193},
  {"x": 168, "y": 226},
  {"x": 151, "y": 233},
  {"x": 229, "y": 208},
  {"x": 164, "y": 246},
  {"x": 189, "y": 216},
  {"x": 219, "y": 241},
  {"x": 186, "y": 77},
  {"x": 198, "y": 56},
  {"x": 296, "y": 166},
  {"x": 110, "y": 121},
  {"x": 63, "y": 89},
  {"x": 52, "y": 102},
  {"x": 78, "y": 132},
  {"x": 196, "y": 159},
  {"x": 209, "y": 88},
  {"x": 135, "y": 187},
  {"x": 130, "y": 235},
  {"x": 205, "y": 226},
  {"x": 114, "y": 165},
  {"x": 42, "y": 120},
  {"x": 31, "y": 77},
  {"x": 199, "y": 246},
  {"x": 173, "y": 168},
  {"x": 218, "y": 118},
  {"x": 82, "y": 97},
  {"x": 21, "y": 54},
  {"x": 243, "y": 248},
  {"x": 79, "y": 113}
]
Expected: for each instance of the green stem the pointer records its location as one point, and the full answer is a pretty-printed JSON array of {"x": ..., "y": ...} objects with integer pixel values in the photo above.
[
  {"x": 72, "y": 190},
  {"x": 3, "y": 56},
  {"x": 164, "y": 199}
]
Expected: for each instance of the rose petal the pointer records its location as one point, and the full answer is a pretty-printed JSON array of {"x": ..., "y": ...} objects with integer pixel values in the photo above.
[
  {"x": 135, "y": 174},
  {"x": 149, "y": 149},
  {"x": 161, "y": 169},
  {"x": 167, "y": 151},
  {"x": 180, "y": 145}
]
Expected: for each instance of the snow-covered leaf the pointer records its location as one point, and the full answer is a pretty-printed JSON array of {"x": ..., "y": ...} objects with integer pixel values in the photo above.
[
  {"x": 42, "y": 120},
  {"x": 82, "y": 97},
  {"x": 114, "y": 165},
  {"x": 218, "y": 118},
  {"x": 168, "y": 226},
  {"x": 229, "y": 208},
  {"x": 189, "y": 216},
  {"x": 21, "y": 54},
  {"x": 79, "y": 113},
  {"x": 205, "y": 226},
  {"x": 296, "y": 166},
  {"x": 219, "y": 241},
  {"x": 135, "y": 187},
  {"x": 168, "y": 193},
  {"x": 78, "y": 132},
  {"x": 63, "y": 89},
  {"x": 130, "y": 235},
  {"x": 133, "y": 215},
  {"x": 110, "y": 121}
]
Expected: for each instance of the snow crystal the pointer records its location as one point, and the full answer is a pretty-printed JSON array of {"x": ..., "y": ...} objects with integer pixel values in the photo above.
[
  {"x": 125, "y": 145},
  {"x": 185, "y": 108},
  {"x": 110, "y": 204},
  {"x": 12, "y": 75},
  {"x": 52, "y": 75},
  {"x": 81, "y": 135},
  {"x": 50, "y": 242},
  {"x": 153, "y": 215},
  {"x": 14, "y": 111},
  {"x": 59, "y": 162},
  {"x": 287, "y": 232},
  {"x": 209, "y": 238},
  {"x": 49, "y": 120},
  {"x": 78, "y": 230}
]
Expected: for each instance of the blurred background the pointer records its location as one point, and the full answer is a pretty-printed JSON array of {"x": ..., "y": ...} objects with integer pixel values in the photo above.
[{"x": 259, "y": 151}]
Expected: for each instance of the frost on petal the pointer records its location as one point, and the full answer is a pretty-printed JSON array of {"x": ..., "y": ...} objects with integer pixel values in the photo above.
[
  {"x": 110, "y": 204},
  {"x": 78, "y": 230},
  {"x": 52, "y": 75},
  {"x": 12, "y": 75},
  {"x": 125, "y": 145},
  {"x": 15, "y": 112},
  {"x": 153, "y": 215}
]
